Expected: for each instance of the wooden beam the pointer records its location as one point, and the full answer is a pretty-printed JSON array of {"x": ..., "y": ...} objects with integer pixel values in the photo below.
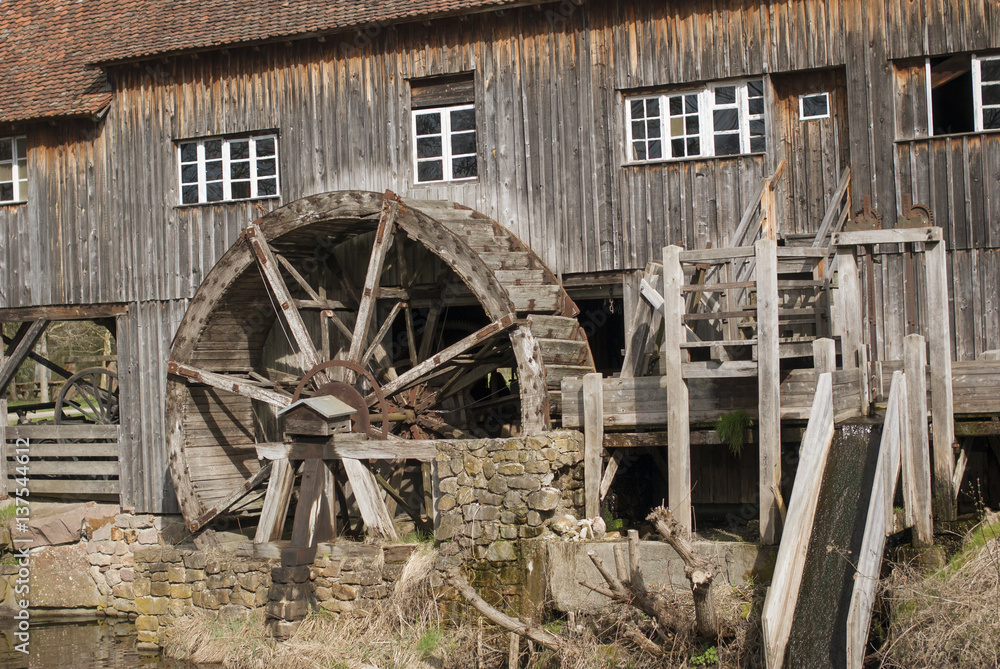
[
  {"x": 341, "y": 446},
  {"x": 223, "y": 505},
  {"x": 678, "y": 428},
  {"x": 368, "y": 497},
  {"x": 56, "y": 432},
  {"x": 642, "y": 330},
  {"x": 890, "y": 236},
  {"x": 233, "y": 384},
  {"x": 877, "y": 528},
  {"x": 305, "y": 526},
  {"x": 768, "y": 390},
  {"x": 942, "y": 400},
  {"x": 783, "y": 594},
  {"x": 366, "y": 310},
  {"x": 41, "y": 360},
  {"x": 833, "y": 211},
  {"x": 614, "y": 462},
  {"x": 593, "y": 439},
  {"x": 62, "y": 313},
  {"x": 916, "y": 449},
  {"x": 26, "y": 338},
  {"x": 308, "y": 356},
  {"x": 276, "y": 501},
  {"x": 4, "y": 450},
  {"x": 825, "y": 356},
  {"x": 849, "y": 303},
  {"x": 415, "y": 374}
]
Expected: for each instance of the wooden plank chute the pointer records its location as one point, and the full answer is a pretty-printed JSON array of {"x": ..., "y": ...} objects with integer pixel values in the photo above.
[
  {"x": 782, "y": 595},
  {"x": 879, "y": 524}
]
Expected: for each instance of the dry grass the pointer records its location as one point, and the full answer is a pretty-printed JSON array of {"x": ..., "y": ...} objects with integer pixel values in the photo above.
[
  {"x": 408, "y": 632},
  {"x": 950, "y": 618}
]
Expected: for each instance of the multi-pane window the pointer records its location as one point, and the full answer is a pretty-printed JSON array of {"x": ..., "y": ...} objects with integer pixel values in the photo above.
[
  {"x": 718, "y": 120},
  {"x": 445, "y": 143},
  {"x": 13, "y": 169},
  {"x": 219, "y": 169},
  {"x": 986, "y": 92}
]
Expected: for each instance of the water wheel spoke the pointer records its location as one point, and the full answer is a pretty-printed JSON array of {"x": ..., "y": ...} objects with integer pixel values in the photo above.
[
  {"x": 369, "y": 292},
  {"x": 432, "y": 365},
  {"x": 233, "y": 384},
  {"x": 441, "y": 427},
  {"x": 299, "y": 279},
  {"x": 268, "y": 265},
  {"x": 382, "y": 332}
]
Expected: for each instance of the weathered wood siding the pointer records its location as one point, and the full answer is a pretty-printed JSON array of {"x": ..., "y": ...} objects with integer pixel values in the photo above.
[
  {"x": 144, "y": 335},
  {"x": 103, "y": 224}
]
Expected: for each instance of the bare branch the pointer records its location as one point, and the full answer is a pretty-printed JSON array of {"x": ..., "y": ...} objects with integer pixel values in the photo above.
[
  {"x": 699, "y": 571},
  {"x": 538, "y": 635}
]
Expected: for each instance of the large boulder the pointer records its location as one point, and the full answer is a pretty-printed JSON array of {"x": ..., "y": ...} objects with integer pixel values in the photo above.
[
  {"x": 57, "y": 524},
  {"x": 60, "y": 578}
]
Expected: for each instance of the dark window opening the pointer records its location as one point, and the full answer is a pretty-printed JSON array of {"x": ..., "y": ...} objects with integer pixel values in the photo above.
[
  {"x": 951, "y": 95},
  {"x": 604, "y": 323}
]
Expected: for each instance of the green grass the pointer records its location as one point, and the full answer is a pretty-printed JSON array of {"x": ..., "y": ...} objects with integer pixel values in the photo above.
[{"x": 973, "y": 543}]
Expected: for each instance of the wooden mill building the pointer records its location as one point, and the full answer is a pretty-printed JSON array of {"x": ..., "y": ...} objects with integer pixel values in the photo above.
[{"x": 139, "y": 139}]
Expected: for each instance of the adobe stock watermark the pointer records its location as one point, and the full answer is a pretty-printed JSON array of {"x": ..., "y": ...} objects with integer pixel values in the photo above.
[{"x": 22, "y": 546}]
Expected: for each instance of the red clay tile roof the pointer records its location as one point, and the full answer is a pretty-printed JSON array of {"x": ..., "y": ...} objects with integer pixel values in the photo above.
[
  {"x": 47, "y": 45},
  {"x": 43, "y": 50},
  {"x": 184, "y": 25}
]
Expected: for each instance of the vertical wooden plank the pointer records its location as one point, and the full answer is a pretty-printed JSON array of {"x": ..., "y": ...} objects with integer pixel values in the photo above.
[
  {"x": 824, "y": 355},
  {"x": 307, "y": 515},
  {"x": 769, "y": 410},
  {"x": 593, "y": 440},
  {"x": 916, "y": 449},
  {"x": 849, "y": 305},
  {"x": 783, "y": 594},
  {"x": 678, "y": 429},
  {"x": 942, "y": 405},
  {"x": 876, "y": 529},
  {"x": 276, "y": 501},
  {"x": 368, "y": 496},
  {"x": 3, "y": 445}
]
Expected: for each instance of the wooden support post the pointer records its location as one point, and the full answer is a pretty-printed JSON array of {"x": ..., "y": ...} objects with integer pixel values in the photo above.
[
  {"x": 368, "y": 497},
  {"x": 824, "y": 356},
  {"x": 916, "y": 449},
  {"x": 877, "y": 528},
  {"x": 3, "y": 446},
  {"x": 678, "y": 428},
  {"x": 768, "y": 383},
  {"x": 849, "y": 304},
  {"x": 276, "y": 501},
  {"x": 306, "y": 528},
  {"x": 942, "y": 404},
  {"x": 593, "y": 440},
  {"x": 779, "y": 603},
  {"x": 865, "y": 378}
]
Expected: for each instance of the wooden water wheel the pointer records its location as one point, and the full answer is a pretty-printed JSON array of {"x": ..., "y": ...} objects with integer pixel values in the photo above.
[{"x": 450, "y": 316}]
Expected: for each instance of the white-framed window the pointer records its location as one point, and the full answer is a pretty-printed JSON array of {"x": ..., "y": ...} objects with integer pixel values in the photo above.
[
  {"x": 221, "y": 169},
  {"x": 445, "y": 144},
  {"x": 963, "y": 93},
  {"x": 720, "y": 119},
  {"x": 814, "y": 106},
  {"x": 986, "y": 92},
  {"x": 13, "y": 169}
]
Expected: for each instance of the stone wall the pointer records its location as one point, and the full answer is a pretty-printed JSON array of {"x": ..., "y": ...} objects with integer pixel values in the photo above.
[
  {"x": 491, "y": 492},
  {"x": 493, "y": 495},
  {"x": 167, "y": 582}
]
